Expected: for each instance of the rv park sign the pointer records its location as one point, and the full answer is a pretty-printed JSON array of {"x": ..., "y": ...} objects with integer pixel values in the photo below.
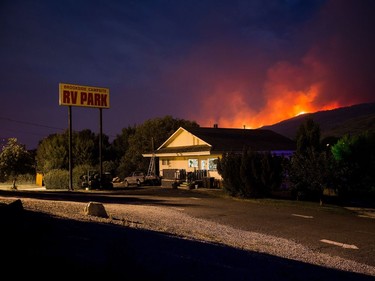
[
  {"x": 86, "y": 96},
  {"x": 83, "y": 96}
]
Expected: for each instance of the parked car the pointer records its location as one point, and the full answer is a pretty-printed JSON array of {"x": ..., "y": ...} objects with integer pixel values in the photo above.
[
  {"x": 139, "y": 178},
  {"x": 92, "y": 180}
]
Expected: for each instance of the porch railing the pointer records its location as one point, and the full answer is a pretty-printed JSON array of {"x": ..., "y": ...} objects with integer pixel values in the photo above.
[{"x": 182, "y": 175}]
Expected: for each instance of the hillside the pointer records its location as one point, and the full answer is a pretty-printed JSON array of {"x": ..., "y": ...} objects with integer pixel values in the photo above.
[{"x": 337, "y": 122}]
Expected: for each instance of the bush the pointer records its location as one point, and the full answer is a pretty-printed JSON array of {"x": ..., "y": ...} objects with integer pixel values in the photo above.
[
  {"x": 229, "y": 169},
  {"x": 250, "y": 174},
  {"x": 26, "y": 179},
  {"x": 57, "y": 179}
]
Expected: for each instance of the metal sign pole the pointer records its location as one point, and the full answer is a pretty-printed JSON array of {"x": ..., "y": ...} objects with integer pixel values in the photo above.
[
  {"x": 70, "y": 148},
  {"x": 100, "y": 145}
]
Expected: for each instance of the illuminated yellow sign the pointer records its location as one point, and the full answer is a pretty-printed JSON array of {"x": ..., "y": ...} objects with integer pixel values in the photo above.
[{"x": 87, "y": 96}]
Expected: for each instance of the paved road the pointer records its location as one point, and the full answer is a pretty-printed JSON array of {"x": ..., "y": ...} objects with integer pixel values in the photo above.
[
  {"x": 344, "y": 233},
  {"x": 327, "y": 229}
]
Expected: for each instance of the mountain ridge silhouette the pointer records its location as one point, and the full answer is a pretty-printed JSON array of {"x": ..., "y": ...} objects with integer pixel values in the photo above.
[{"x": 354, "y": 119}]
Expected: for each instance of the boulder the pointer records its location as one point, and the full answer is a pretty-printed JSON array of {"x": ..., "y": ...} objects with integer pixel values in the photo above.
[
  {"x": 96, "y": 209},
  {"x": 11, "y": 215},
  {"x": 14, "y": 207}
]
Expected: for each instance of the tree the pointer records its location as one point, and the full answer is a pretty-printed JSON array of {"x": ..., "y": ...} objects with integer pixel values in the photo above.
[
  {"x": 53, "y": 151},
  {"x": 229, "y": 167},
  {"x": 310, "y": 168},
  {"x": 355, "y": 157},
  {"x": 311, "y": 173},
  {"x": 119, "y": 147},
  {"x": 84, "y": 147},
  {"x": 250, "y": 174},
  {"x": 308, "y": 136},
  {"x": 15, "y": 160},
  {"x": 120, "y": 144}
]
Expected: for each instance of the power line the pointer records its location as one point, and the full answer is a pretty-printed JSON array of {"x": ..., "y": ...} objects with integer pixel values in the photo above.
[
  {"x": 30, "y": 123},
  {"x": 23, "y": 132},
  {"x": 36, "y": 125}
]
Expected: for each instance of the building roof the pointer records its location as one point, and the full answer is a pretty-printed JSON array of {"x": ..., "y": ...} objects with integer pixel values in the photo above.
[
  {"x": 184, "y": 149},
  {"x": 231, "y": 140},
  {"x": 228, "y": 139}
]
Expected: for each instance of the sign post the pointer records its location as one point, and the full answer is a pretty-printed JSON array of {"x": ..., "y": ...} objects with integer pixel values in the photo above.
[
  {"x": 70, "y": 148},
  {"x": 84, "y": 96},
  {"x": 100, "y": 143}
]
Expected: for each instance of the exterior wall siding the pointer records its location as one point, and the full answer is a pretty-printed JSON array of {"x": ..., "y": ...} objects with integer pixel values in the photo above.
[
  {"x": 186, "y": 138},
  {"x": 179, "y": 163}
]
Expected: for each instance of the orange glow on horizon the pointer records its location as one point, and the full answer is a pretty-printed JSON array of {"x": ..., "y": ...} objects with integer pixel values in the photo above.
[
  {"x": 238, "y": 114},
  {"x": 241, "y": 98}
]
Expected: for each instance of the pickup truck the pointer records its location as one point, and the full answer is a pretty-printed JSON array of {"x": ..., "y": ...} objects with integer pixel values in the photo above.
[
  {"x": 92, "y": 180},
  {"x": 140, "y": 178}
]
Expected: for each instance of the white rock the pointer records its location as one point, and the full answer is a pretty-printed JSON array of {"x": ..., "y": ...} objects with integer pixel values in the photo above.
[{"x": 95, "y": 209}]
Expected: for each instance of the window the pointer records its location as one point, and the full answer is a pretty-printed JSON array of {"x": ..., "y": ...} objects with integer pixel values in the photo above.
[
  {"x": 212, "y": 164},
  {"x": 203, "y": 164},
  {"x": 193, "y": 163}
]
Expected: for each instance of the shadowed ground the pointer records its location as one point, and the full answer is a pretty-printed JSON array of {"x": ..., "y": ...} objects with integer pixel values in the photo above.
[{"x": 45, "y": 247}]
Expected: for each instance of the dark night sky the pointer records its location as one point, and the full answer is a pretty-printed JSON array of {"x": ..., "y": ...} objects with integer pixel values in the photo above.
[{"x": 233, "y": 63}]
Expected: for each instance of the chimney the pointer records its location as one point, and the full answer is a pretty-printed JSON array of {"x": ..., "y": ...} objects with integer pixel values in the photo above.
[{"x": 215, "y": 126}]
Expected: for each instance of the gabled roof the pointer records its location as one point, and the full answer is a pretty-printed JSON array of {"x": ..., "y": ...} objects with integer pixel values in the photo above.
[
  {"x": 235, "y": 140},
  {"x": 184, "y": 149},
  {"x": 227, "y": 139}
]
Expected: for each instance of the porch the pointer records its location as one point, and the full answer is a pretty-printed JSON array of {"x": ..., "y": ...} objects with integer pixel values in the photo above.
[{"x": 193, "y": 179}]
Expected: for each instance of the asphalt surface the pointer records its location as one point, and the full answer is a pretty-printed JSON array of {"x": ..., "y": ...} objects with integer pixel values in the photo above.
[{"x": 39, "y": 244}]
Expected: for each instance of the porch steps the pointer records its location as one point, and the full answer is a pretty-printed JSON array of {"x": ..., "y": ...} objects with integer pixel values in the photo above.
[
  {"x": 169, "y": 183},
  {"x": 186, "y": 185}
]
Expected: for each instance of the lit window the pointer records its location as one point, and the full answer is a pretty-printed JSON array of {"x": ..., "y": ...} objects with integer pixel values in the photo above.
[
  {"x": 193, "y": 163},
  {"x": 212, "y": 164}
]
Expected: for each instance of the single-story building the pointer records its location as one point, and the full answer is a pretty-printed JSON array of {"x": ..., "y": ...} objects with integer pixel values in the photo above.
[{"x": 193, "y": 152}]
